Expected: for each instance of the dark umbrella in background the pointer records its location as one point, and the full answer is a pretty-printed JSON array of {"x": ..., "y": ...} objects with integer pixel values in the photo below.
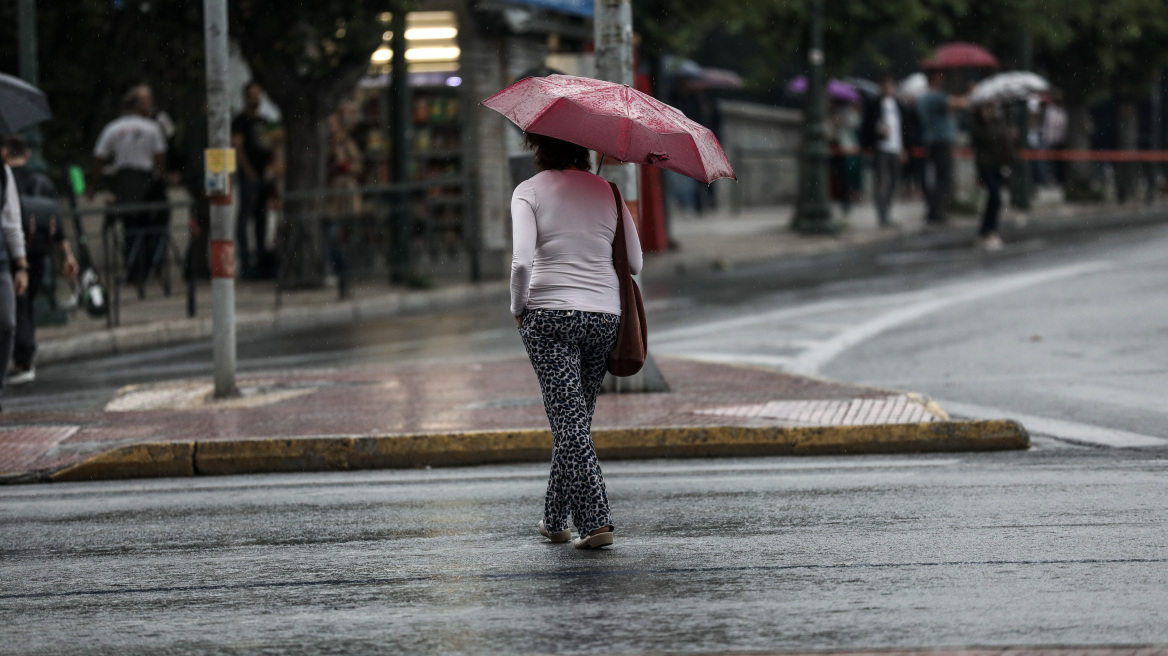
[{"x": 21, "y": 105}]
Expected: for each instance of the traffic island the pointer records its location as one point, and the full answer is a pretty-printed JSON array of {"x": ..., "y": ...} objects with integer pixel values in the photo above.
[{"x": 461, "y": 414}]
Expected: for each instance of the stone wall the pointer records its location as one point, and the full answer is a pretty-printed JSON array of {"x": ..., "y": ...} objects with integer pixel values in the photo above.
[{"x": 762, "y": 143}]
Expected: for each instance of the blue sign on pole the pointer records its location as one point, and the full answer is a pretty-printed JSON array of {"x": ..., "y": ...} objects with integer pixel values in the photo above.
[{"x": 575, "y": 7}]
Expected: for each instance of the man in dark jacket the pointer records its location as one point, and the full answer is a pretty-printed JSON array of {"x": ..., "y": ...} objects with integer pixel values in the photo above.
[{"x": 43, "y": 231}]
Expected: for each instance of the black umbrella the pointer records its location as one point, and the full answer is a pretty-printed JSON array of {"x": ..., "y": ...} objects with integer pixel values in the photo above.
[{"x": 21, "y": 105}]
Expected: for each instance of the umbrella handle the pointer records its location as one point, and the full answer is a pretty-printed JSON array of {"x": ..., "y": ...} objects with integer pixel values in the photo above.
[{"x": 600, "y": 164}]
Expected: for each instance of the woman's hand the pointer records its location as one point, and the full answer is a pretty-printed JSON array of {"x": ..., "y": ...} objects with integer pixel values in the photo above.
[
  {"x": 519, "y": 321},
  {"x": 20, "y": 282}
]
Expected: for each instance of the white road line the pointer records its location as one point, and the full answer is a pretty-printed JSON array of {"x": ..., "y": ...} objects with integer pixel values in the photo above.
[
  {"x": 1071, "y": 431},
  {"x": 891, "y": 310},
  {"x": 811, "y": 360}
]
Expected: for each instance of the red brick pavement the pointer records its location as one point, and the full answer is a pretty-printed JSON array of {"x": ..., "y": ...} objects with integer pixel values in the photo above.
[{"x": 417, "y": 398}]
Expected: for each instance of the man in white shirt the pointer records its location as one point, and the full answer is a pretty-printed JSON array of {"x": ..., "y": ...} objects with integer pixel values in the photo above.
[
  {"x": 889, "y": 152},
  {"x": 134, "y": 147}
]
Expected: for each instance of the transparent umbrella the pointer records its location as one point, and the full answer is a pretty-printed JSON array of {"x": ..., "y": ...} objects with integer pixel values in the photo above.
[
  {"x": 1006, "y": 87},
  {"x": 21, "y": 105}
]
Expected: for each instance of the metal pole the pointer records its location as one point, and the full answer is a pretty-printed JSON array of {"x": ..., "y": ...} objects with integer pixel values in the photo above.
[
  {"x": 26, "y": 34},
  {"x": 612, "y": 24},
  {"x": 814, "y": 211},
  {"x": 222, "y": 220},
  {"x": 400, "y": 233}
]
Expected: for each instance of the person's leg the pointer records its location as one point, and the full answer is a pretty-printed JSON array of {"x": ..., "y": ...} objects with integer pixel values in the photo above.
[
  {"x": 24, "y": 340},
  {"x": 553, "y": 341},
  {"x": 992, "y": 180},
  {"x": 930, "y": 188},
  {"x": 556, "y": 360},
  {"x": 259, "y": 216},
  {"x": 884, "y": 184},
  {"x": 247, "y": 194},
  {"x": 944, "y": 181},
  {"x": 7, "y": 321}
]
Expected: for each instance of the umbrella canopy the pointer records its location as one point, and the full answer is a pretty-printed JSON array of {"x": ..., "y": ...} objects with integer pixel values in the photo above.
[
  {"x": 836, "y": 90},
  {"x": 21, "y": 105},
  {"x": 960, "y": 55},
  {"x": 614, "y": 120},
  {"x": 1006, "y": 87},
  {"x": 715, "y": 78},
  {"x": 864, "y": 86},
  {"x": 913, "y": 86}
]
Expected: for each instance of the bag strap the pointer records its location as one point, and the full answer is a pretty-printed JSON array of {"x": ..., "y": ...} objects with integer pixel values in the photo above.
[{"x": 620, "y": 252}]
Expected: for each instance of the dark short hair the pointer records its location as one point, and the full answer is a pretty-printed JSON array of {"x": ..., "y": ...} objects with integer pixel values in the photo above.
[
  {"x": 130, "y": 98},
  {"x": 251, "y": 84},
  {"x": 16, "y": 146},
  {"x": 553, "y": 154}
]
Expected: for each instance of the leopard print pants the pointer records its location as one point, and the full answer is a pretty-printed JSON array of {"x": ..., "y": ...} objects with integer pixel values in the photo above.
[{"x": 569, "y": 351}]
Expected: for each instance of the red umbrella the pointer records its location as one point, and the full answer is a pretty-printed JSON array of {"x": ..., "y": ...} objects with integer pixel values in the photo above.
[
  {"x": 614, "y": 120},
  {"x": 960, "y": 55}
]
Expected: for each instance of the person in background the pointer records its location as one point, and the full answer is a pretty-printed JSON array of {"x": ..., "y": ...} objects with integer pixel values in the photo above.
[
  {"x": 916, "y": 165},
  {"x": 938, "y": 132},
  {"x": 885, "y": 116},
  {"x": 994, "y": 154},
  {"x": 252, "y": 155},
  {"x": 135, "y": 148},
  {"x": 1054, "y": 132},
  {"x": 42, "y": 233},
  {"x": 13, "y": 265},
  {"x": 844, "y": 124}
]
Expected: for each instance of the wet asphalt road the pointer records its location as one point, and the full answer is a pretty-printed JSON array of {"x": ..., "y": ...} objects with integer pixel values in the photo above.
[
  {"x": 1061, "y": 545},
  {"x": 1064, "y": 544}
]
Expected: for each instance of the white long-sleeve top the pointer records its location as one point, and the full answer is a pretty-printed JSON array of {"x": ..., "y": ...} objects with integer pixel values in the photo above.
[
  {"x": 10, "y": 225},
  {"x": 563, "y": 224}
]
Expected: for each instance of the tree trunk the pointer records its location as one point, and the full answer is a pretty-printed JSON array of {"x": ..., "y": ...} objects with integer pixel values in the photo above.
[
  {"x": 301, "y": 247},
  {"x": 1129, "y": 137},
  {"x": 1079, "y": 185}
]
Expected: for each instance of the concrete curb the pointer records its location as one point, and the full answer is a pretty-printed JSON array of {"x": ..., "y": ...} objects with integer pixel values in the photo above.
[
  {"x": 265, "y": 455},
  {"x": 163, "y": 333}
]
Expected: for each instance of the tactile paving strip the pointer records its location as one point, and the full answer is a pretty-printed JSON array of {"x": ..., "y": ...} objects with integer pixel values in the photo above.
[{"x": 896, "y": 409}]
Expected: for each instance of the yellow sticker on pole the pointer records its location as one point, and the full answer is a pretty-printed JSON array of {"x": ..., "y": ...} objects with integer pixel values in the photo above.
[{"x": 220, "y": 164}]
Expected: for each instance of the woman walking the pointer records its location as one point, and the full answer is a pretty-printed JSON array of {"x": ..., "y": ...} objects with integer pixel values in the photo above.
[
  {"x": 566, "y": 302},
  {"x": 994, "y": 154}
]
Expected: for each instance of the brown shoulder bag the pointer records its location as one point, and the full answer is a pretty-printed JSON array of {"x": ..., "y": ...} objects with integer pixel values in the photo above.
[{"x": 632, "y": 340}]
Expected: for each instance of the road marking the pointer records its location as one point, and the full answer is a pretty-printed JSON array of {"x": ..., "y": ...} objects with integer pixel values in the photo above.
[
  {"x": 811, "y": 360},
  {"x": 1070, "y": 431},
  {"x": 892, "y": 310}
]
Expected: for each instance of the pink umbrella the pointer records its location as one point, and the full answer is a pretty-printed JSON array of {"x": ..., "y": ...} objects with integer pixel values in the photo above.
[
  {"x": 960, "y": 55},
  {"x": 614, "y": 120}
]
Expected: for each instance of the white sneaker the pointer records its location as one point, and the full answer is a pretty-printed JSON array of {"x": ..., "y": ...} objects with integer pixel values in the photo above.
[{"x": 18, "y": 376}]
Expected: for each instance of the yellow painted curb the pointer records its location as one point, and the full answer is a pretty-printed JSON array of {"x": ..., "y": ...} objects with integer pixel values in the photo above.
[
  {"x": 225, "y": 457},
  {"x": 143, "y": 460}
]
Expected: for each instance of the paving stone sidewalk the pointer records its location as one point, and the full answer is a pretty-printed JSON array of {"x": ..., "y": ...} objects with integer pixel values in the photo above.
[
  {"x": 719, "y": 239},
  {"x": 436, "y": 398}
]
